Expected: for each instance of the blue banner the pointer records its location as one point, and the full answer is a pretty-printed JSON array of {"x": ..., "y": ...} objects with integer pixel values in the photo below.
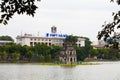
[{"x": 56, "y": 35}]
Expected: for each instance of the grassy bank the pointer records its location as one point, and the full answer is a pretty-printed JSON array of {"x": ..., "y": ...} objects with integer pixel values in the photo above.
[{"x": 49, "y": 64}]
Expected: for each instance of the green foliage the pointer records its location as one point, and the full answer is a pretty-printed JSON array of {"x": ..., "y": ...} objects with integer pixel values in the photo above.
[
  {"x": 6, "y": 38},
  {"x": 80, "y": 52},
  {"x": 88, "y": 51},
  {"x": 24, "y": 50},
  {"x": 94, "y": 52},
  {"x": 41, "y": 58},
  {"x": 10, "y": 7},
  {"x": 109, "y": 28},
  {"x": 41, "y": 49},
  {"x": 30, "y": 55},
  {"x": 118, "y": 1},
  {"x": 15, "y": 56},
  {"x": 55, "y": 52},
  {"x": 12, "y": 48},
  {"x": 44, "y": 53},
  {"x": 83, "y": 52},
  {"x": 118, "y": 55},
  {"x": 3, "y": 56},
  {"x": 48, "y": 58},
  {"x": 71, "y": 39},
  {"x": 113, "y": 54}
]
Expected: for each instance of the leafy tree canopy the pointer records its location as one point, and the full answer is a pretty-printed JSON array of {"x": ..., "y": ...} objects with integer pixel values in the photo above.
[
  {"x": 6, "y": 38},
  {"x": 10, "y": 7},
  {"x": 109, "y": 28},
  {"x": 71, "y": 39}
]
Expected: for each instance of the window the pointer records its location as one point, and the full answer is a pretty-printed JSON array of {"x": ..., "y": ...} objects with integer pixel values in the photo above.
[
  {"x": 79, "y": 45},
  {"x": 70, "y": 53},
  {"x": 49, "y": 44},
  {"x": 35, "y": 43},
  {"x": 20, "y": 39},
  {"x": 31, "y": 43}
]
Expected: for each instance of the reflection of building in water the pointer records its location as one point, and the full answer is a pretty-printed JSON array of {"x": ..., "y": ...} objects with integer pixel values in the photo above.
[{"x": 68, "y": 54}]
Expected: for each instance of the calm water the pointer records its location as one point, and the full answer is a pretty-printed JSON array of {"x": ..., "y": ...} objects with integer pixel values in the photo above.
[{"x": 104, "y": 71}]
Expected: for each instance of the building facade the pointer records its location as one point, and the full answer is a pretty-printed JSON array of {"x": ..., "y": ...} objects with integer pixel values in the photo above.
[
  {"x": 2, "y": 43},
  {"x": 99, "y": 44},
  {"x": 30, "y": 40},
  {"x": 50, "y": 39},
  {"x": 68, "y": 55}
]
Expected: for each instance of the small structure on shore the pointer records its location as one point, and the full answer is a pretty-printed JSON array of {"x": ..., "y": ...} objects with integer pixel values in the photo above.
[{"x": 68, "y": 54}]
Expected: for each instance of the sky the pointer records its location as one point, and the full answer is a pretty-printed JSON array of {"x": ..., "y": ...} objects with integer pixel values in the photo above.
[{"x": 72, "y": 17}]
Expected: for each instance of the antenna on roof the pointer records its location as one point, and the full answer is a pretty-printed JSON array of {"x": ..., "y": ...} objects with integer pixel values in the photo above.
[
  {"x": 38, "y": 33},
  {"x": 21, "y": 32}
]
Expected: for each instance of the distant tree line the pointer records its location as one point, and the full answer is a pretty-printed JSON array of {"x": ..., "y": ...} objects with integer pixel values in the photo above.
[
  {"x": 6, "y": 38},
  {"x": 90, "y": 52},
  {"x": 42, "y": 53},
  {"x": 39, "y": 53}
]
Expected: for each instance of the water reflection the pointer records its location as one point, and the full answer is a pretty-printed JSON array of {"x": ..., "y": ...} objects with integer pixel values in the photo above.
[{"x": 105, "y": 71}]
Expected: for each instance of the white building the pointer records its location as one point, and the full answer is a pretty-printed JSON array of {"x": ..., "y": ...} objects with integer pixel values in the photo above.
[
  {"x": 50, "y": 39},
  {"x": 3, "y": 42},
  {"x": 30, "y": 40},
  {"x": 99, "y": 44}
]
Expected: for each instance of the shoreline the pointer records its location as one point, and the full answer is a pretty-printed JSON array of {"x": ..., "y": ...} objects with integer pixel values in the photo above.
[
  {"x": 61, "y": 64},
  {"x": 49, "y": 64}
]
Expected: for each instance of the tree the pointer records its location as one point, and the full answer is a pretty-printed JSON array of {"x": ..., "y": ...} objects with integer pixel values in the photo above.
[
  {"x": 55, "y": 52},
  {"x": 30, "y": 55},
  {"x": 12, "y": 48},
  {"x": 48, "y": 58},
  {"x": 6, "y": 38},
  {"x": 71, "y": 39},
  {"x": 109, "y": 28},
  {"x": 41, "y": 49},
  {"x": 81, "y": 54},
  {"x": 94, "y": 52},
  {"x": 87, "y": 47},
  {"x": 10, "y": 7},
  {"x": 41, "y": 58},
  {"x": 3, "y": 55},
  {"x": 15, "y": 56}
]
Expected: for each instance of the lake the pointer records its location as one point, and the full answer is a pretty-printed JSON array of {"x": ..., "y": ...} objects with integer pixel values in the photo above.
[{"x": 104, "y": 71}]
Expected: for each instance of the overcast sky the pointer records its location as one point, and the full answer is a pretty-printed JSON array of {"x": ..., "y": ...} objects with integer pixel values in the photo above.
[{"x": 77, "y": 17}]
